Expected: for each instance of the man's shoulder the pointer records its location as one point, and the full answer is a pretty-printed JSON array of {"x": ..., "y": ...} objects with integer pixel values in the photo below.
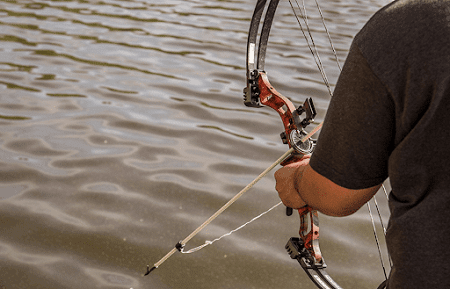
[
  {"x": 406, "y": 11},
  {"x": 407, "y": 34},
  {"x": 408, "y": 19}
]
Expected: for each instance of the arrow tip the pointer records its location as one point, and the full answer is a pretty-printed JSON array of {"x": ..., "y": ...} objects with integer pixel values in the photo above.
[{"x": 149, "y": 270}]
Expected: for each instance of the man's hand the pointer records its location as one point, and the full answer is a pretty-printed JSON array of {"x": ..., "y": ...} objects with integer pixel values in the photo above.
[{"x": 287, "y": 179}]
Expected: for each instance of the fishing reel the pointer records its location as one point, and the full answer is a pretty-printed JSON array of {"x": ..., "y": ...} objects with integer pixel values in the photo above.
[{"x": 296, "y": 137}]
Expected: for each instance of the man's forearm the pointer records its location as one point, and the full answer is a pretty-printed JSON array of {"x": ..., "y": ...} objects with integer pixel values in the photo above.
[{"x": 329, "y": 198}]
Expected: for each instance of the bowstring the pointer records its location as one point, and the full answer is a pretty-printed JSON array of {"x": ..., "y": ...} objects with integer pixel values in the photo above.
[
  {"x": 310, "y": 42},
  {"x": 314, "y": 51},
  {"x": 376, "y": 240},
  {"x": 329, "y": 36},
  {"x": 381, "y": 220}
]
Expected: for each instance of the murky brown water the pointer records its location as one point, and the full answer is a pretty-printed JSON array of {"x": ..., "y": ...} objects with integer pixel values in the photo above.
[{"x": 122, "y": 129}]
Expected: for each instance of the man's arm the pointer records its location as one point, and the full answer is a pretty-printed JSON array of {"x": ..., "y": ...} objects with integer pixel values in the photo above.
[{"x": 298, "y": 185}]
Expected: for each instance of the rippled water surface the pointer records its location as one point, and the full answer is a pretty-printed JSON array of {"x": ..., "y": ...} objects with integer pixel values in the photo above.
[{"x": 122, "y": 128}]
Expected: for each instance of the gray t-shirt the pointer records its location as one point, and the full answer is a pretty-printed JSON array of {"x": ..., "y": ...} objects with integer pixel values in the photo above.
[{"x": 390, "y": 117}]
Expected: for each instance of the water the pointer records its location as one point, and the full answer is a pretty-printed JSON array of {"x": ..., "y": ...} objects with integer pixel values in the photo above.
[{"x": 122, "y": 129}]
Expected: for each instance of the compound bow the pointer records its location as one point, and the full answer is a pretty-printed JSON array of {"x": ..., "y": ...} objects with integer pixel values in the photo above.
[{"x": 259, "y": 92}]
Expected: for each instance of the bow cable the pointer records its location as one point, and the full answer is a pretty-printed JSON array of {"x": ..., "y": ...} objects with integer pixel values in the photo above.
[
  {"x": 312, "y": 46},
  {"x": 329, "y": 37}
]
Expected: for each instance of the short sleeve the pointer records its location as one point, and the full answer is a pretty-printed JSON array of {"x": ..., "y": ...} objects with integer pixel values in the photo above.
[{"x": 357, "y": 137}]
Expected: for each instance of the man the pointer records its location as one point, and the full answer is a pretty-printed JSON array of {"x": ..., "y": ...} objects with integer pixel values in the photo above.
[{"x": 390, "y": 117}]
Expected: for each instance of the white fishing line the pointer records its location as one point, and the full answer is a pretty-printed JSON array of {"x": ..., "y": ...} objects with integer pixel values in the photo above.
[{"x": 227, "y": 234}]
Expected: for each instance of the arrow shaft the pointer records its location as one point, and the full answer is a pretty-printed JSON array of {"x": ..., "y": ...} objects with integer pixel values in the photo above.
[{"x": 232, "y": 200}]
